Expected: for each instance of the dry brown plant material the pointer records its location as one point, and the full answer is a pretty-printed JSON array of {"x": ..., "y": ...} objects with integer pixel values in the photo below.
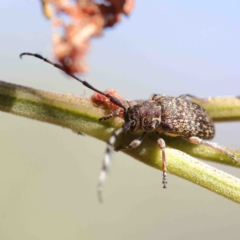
[{"x": 76, "y": 22}]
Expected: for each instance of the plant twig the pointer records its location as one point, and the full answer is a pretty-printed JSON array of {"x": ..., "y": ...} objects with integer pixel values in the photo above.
[{"x": 80, "y": 115}]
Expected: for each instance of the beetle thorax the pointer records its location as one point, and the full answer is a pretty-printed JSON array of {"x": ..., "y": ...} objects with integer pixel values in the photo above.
[{"x": 144, "y": 116}]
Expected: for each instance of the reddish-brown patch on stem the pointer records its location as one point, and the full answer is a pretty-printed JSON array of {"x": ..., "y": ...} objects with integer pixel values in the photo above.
[{"x": 104, "y": 102}]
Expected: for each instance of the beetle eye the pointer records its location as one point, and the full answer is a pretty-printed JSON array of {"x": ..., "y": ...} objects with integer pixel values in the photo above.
[{"x": 133, "y": 123}]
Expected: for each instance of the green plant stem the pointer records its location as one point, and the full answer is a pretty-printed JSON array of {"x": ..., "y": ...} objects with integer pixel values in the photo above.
[{"x": 80, "y": 115}]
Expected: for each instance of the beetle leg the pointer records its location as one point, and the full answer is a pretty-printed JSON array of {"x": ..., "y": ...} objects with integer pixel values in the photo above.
[
  {"x": 197, "y": 140},
  {"x": 192, "y": 98},
  {"x": 113, "y": 114},
  {"x": 161, "y": 144},
  {"x": 135, "y": 143},
  {"x": 131, "y": 103},
  {"x": 188, "y": 96}
]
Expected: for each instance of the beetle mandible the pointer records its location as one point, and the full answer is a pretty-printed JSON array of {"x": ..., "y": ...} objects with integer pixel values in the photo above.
[{"x": 174, "y": 116}]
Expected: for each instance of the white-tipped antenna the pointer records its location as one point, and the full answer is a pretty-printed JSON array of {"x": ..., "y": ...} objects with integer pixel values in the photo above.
[{"x": 106, "y": 162}]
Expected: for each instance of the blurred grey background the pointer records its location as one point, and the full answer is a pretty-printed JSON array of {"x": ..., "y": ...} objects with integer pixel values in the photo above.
[{"x": 48, "y": 175}]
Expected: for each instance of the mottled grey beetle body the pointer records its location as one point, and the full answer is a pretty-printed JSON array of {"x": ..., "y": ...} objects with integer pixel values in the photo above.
[{"x": 174, "y": 116}]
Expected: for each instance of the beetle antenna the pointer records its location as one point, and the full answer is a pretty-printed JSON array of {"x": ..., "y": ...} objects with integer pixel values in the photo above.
[
  {"x": 106, "y": 162},
  {"x": 112, "y": 98}
]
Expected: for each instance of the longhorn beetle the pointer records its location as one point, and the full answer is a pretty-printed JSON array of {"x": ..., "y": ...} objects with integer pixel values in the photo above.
[{"x": 175, "y": 116}]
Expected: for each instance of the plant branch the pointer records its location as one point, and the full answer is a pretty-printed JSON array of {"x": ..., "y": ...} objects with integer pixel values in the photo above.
[{"x": 80, "y": 115}]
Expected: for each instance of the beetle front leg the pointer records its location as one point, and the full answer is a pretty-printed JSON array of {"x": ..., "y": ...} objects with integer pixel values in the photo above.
[
  {"x": 113, "y": 114},
  {"x": 162, "y": 145},
  {"x": 135, "y": 143}
]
